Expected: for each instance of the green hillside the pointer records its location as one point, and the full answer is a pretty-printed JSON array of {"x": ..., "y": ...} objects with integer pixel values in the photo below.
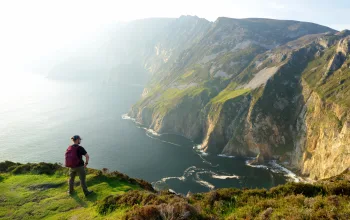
[{"x": 38, "y": 191}]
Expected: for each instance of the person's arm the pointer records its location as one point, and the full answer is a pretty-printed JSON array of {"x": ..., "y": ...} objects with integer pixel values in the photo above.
[{"x": 87, "y": 158}]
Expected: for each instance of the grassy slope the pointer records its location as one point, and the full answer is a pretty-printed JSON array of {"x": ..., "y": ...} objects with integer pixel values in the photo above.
[
  {"x": 37, "y": 196},
  {"x": 25, "y": 194},
  {"x": 18, "y": 201},
  {"x": 229, "y": 94}
]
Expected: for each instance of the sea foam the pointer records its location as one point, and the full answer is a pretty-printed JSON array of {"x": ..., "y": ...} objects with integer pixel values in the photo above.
[
  {"x": 224, "y": 155},
  {"x": 127, "y": 117},
  {"x": 273, "y": 166},
  {"x": 278, "y": 168}
]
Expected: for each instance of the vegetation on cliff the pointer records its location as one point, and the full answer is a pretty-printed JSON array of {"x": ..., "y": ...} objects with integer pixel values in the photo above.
[
  {"x": 262, "y": 89},
  {"x": 37, "y": 191}
]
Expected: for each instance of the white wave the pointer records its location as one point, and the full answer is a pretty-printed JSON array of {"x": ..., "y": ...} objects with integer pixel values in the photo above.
[
  {"x": 149, "y": 132},
  {"x": 278, "y": 168},
  {"x": 188, "y": 172},
  {"x": 150, "y": 136},
  {"x": 172, "y": 191},
  {"x": 224, "y": 155},
  {"x": 153, "y": 132},
  {"x": 225, "y": 177},
  {"x": 204, "y": 153},
  {"x": 249, "y": 163},
  {"x": 199, "y": 149},
  {"x": 218, "y": 176},
  {"x": 127, "y": 117},
  {"x": 182, "y": 178},
  {"x": 258, "y": 166},
  {"x": 196, "y": 173},
  {"x": 206, "y": 184},
  {"x": 201, "y": 153},
  {"x": 161, "y": 184},
  {"x": 203, "y": 182}
]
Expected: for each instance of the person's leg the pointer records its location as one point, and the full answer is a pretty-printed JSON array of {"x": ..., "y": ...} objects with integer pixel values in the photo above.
[
  {"x": 82, "y": 177},
  {"x": 72, "y": 174}
]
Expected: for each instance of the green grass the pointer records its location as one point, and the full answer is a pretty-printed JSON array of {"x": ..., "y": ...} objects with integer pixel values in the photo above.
[
  {"x": 228, "y": 94},
  {"x": 172, "y": 97},
  {"x": 317, "y": 67},
  {"x": 117, "y": 196},
  {"x": 299, "y": 200},
  {"x": 18, "y": 201},
  {"x": 335, "y": 87},
  {"x": 196, "y": 73},
  {"x": 38, "y": 196}
]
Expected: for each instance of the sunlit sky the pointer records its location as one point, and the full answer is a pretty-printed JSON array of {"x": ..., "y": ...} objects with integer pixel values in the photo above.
[{"x": 35, "y": 28}]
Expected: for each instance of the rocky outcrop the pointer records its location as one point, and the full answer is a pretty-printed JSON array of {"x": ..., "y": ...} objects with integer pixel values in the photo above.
[
  {"x": 343, "y": 49},
  {"x": 322, "y": 147}
]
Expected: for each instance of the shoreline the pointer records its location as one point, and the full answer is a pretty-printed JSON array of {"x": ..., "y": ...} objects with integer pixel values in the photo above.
[{"x": 271, "y": 165}]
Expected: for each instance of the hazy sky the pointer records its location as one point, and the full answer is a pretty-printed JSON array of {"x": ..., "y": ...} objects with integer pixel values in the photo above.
[{"x": 36, "y": 27}]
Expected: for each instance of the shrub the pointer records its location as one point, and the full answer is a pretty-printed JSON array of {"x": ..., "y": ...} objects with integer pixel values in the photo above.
[
  {"x": 151, "y": 199},
  {"x": 338, "y": 188},
  {"x": 255, "y": 192},
  {"x": 4, "y": 166},
  {"x": 45, "y": 168},
  {"x": 145, "y": 185},
  {"x": 144, "y": 213},
  {"x": 210, "y": 198},
  {"x": 23, "y": 168},
  {"x": 148, "y": 205},
  {"x": 107, "y": 205},
  {"x": 179, "y": 210},
  {"x": 105, "y": 170},
  {"x": 305, "y": 189},
  {"x": 128, "y": 199},
  {"x": 40, "y": 168},
  {"x": 226, "y": 195}
]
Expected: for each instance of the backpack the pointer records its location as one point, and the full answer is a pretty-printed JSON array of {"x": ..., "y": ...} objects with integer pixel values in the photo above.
[{"x": 72, "y": 159}]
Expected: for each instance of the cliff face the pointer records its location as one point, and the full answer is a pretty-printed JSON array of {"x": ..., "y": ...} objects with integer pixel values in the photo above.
[
  {"x": 277, "y": 89},
  {"x": 322, "y": 146}
]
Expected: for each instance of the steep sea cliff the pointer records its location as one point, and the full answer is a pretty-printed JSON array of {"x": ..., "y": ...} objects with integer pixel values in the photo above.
[{"x": 242, "y": 92}]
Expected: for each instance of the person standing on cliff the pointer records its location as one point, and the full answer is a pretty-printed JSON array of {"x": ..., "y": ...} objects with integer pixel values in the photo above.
[{"x": 74, "y": 160}]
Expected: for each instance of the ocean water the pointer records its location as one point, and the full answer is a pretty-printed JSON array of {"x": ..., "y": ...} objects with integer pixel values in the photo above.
[{"x": 38, "y": 116}]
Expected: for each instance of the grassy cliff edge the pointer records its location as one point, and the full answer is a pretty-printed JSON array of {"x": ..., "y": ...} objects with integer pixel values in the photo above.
[{"x": 37, "y": 191}]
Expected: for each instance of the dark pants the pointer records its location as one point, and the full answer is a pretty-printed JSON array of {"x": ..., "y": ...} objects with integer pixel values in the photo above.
[{"x": 82, "y": 176}]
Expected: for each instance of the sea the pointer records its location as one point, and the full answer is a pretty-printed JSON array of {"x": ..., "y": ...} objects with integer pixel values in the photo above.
[{"x": 39, "y": 115}]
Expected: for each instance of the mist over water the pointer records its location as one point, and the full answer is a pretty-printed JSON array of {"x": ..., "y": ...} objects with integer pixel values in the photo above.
[{"x": 38, "y": 116}]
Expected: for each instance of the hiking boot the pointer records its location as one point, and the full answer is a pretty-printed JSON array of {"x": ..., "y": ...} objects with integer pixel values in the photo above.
[{"x": 88, "y": 193}]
